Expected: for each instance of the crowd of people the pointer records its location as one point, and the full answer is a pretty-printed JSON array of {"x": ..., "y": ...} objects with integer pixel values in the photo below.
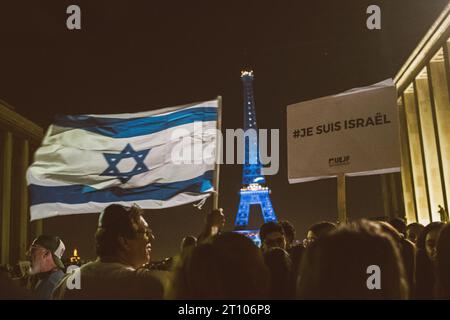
[{"x": 355, "y": 260}]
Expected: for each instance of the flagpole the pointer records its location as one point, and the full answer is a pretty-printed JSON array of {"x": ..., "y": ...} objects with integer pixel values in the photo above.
[{"x": 218, "y": 154}]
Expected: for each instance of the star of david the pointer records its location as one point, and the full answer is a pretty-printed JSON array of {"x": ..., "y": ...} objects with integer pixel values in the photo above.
[{"x": 128, "y": 152}]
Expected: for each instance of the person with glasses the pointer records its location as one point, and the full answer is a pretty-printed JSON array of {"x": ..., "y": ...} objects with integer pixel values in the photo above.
[{"x": 123, "y": 245}]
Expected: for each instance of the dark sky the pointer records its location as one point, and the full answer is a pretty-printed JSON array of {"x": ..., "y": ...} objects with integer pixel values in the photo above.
[{"x": 142, "y": 55}]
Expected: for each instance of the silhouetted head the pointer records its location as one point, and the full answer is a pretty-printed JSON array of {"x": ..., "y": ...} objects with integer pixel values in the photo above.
[
  {"x": 289, "y": 232},
  {"x": 318, "y": 230},
  {"x": 427, "y": 241},
  {"x": 413, "y": 231},
  {"x": 391, "y": 230},
  {"x": 399, "y": 224},
  {"x": 272, "y": 236},
  {"x": 228, "y": 267},
  {"x": 406, "y": 248},
  {"x": 352, "y": 263}
]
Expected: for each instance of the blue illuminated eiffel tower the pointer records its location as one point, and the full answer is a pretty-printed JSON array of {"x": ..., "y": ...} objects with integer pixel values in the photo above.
[{"x": 253, "y": 191}]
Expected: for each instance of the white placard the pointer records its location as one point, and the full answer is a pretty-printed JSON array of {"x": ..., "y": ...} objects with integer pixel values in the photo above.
[{"x": 355, "y": 133}]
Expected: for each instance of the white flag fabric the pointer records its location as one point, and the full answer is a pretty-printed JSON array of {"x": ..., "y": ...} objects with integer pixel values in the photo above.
[
  {"x": 355, "y": 133},
  {"x": 154, "y": 159}
]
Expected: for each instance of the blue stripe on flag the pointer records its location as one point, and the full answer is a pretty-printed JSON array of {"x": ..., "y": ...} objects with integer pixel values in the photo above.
[
  {"x": 76, "y": 194},
  {"x": 126, "y": 128}
]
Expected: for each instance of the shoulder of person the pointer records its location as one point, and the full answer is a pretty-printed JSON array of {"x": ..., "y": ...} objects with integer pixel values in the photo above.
[
  {"x": 154, "y": 281},
  {"x": 149, "y": 274},
  {"x": 56, "y": 276},
  {"x": 60, "y": 288}
]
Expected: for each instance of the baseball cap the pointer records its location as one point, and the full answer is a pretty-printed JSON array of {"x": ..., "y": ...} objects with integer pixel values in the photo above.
[{"x": 54, "y": 244}]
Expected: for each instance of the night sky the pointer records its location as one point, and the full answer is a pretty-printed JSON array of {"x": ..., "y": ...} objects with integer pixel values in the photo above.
[{"x": 135, "y": 56}]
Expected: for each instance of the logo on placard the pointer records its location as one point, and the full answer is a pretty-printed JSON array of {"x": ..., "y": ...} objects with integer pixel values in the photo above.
[{"x": 339, "y": 161}]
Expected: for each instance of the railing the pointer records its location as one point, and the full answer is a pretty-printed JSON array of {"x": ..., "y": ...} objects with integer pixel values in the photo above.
[
  {"x": 19, "y": 137},
  {"x": 424, "y": 109}
]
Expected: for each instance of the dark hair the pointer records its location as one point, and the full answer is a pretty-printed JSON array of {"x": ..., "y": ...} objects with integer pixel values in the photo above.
[
  {"x": 322, "y": 228},
  {"x": 391, "y": 230},
  {"x": 425, "y": 273},
  {"x": 414, "y": 224},
  {"x": 270, "y": 227},
  {"x": 413, "y": 231},
  {"x": 114, "y": 222},
  {"x": 423, "y": 236},
  {"x": 399, "y": 224},
  {"x": 282, "y": 283},
  {"x": 406, "y": 249},
  {"x": 228, "y": 267},
  {"x": 443, "y": 263},
  {"x": 289, "y": 230},
  {"x": 336, "y": 266}
]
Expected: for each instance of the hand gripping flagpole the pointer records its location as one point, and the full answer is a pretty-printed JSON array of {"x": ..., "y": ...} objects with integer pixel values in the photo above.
[{"x": 218, "y": 154}]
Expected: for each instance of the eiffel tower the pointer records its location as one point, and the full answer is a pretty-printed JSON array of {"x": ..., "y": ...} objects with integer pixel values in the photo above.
[{"x": 253, "y": 191}]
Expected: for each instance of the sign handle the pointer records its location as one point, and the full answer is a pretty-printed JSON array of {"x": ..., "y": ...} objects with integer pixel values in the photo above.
[{"x": 341, "y": 198}]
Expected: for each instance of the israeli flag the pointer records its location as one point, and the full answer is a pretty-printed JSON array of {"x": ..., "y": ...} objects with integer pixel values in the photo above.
[{"x": 155, "y": 159}]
